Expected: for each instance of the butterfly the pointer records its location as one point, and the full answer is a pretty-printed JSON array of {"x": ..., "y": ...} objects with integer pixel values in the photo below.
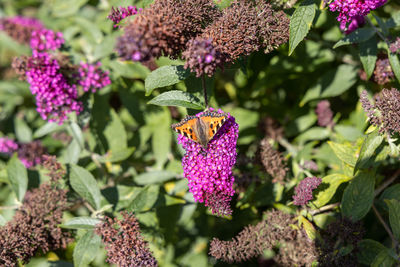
[{"x": 201, "y": 129}]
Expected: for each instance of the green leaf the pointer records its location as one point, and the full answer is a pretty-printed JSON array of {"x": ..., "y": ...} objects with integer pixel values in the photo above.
[
  {"x": 178, "y": 99},
  {"x": 86, "y": 249},
  {"x": 46, "y": 129},
  {"x": 116, "y": 156},
  {"x": 328, "y": 187},
  {"x": 368, "y": 55},
  {"x": 358, "y": 196},
  {"x": 345, "y": 152},
  {"x": 368, "y": 250},
  {"x": 129, "y": 69},
  {"x": 392, "y": 192},
  {"x": 315, "y": 133},
  {"x": 71, "y": 154},
  {"x": 61, "y": 8},
  {"x": 146, "y": 198},
  {"x": 333, "y": 83},
  {"x": 81, "y": 223},
  {"x": 368, "y": 148},
  {"x": 90, "y": 29},
  {"x": 300, "y": 23},
  {"x": 161, "y": 137},
  {"x": 85, "y": 185},
  {"x": 76, "y": 132},
  {"x": 22, "y": 130},
  {"x": 383, "y": 259},
  {"x": 154, "y": 177},
  {"x": 358, "y": 36},
  {"x": 394, "y": 216},
  {"x": 395, "y": 64},
  {"x": 18, "y": 177},
  {"x": 115, "y": 133},
  {"x": 165, "y": 76},
  {"x": 394, "y": 21},
  {"x": 2, "y": 220}
]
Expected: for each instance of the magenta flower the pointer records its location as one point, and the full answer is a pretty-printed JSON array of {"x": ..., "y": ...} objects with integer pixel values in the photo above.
[
  {"x": 209, "y": 170},
  {"x": 356, "y": 22},
  {"x": 45, "y": 39},
  {"x": 304, "y": 190},
  {"x": 7, "y": 145},
  {"x": 92, "y": 78},
  {"x": 119, "y": 13},
  {"x": 349, "y": 9},
  {"x": 55, "y": 98}
]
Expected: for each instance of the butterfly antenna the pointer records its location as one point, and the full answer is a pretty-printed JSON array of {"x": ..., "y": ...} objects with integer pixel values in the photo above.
[{"x": 203, "y": 83}]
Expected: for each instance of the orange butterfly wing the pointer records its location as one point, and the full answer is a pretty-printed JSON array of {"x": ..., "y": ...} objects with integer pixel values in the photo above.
[
  {"x": 185, "y": 127},
  {"x": 215, "y": 121}
]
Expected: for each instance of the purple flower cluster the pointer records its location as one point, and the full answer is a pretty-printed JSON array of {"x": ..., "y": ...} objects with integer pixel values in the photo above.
[
  {"x": 30, "y": 154},
  {"x": 26, "y": 21},
  {"x": 209, "y": 171},
  {"x": 351, "y": 9},
  {"x": 92, "y": 78},
  {"x": 7, "y": 146},
  {"x": 355, "y": 23},
  {"x": 304, "y": 190},
  {"x": 119, "y": 13},
  {"x": 44, "y": 39},
  {"x": 55, "y": 98}
]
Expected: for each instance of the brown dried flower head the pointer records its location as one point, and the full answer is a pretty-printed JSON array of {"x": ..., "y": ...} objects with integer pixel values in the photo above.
[
  {"x": 244, "y": 27},
  {"x": 164, "y": 28},
  {"x": 124, "y": 244},
  {"x": 385, "y": 111},
  {"x": 339, "y": 234},
  {"x": 273, "y": 161},
  {"x": 34, "y": 227},
  {"x": 295, "y": 249}
]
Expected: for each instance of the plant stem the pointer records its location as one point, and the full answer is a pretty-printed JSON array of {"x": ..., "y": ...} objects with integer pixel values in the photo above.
[
  {"x": 203, "y": 84},
  {"x": 387, "y": 183},
  {"x": 394, "y": 241},
  {"x": 324, "y": 208},
  {"x": 377, "y": 31}
]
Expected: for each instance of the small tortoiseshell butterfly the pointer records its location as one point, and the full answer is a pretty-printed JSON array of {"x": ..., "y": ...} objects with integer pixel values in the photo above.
[{"x": 201, "y": 129}]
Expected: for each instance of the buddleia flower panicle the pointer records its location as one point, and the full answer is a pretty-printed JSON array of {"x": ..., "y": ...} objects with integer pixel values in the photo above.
[
  {"x": 55, "y": 97},
  {"x": 20, "y": 28},
  {"x": 271, "y": 128},
  {"x": 275, "y": 232},
  {"x": 309, "y": 165},
  {"x": 304, "y": 190},
  {"x": 209, "y": 171},
  {"x": 30, "y": 154},
  {"x": 385, "y": 111},
  {"x": 274, "y": 163},
  {"x": 324, "y": 114},
  {"x": 355, "y": 23},
  {"x": 44, "y": 40},
  {"x": 243, "y": 28},
  {"x": 35, "y": 225},
  {"x": 395, "y": 46},
  {"x": 123, "y": 241},
  {"x": 164, "y": 28},
  {"x": 92, "y": 78},
  {"x": 350, "y": 9},
  {"x": 55, "y": 81},
  {"x": 7, "y": 145},
  {"x": 117, "y": 14},
  {"x": 342, "y": 233},
  {"x": 383, "y": 72}
]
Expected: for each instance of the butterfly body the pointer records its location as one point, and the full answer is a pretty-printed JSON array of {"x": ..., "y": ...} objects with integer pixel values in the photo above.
[{"x": 201, "y": 129}]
